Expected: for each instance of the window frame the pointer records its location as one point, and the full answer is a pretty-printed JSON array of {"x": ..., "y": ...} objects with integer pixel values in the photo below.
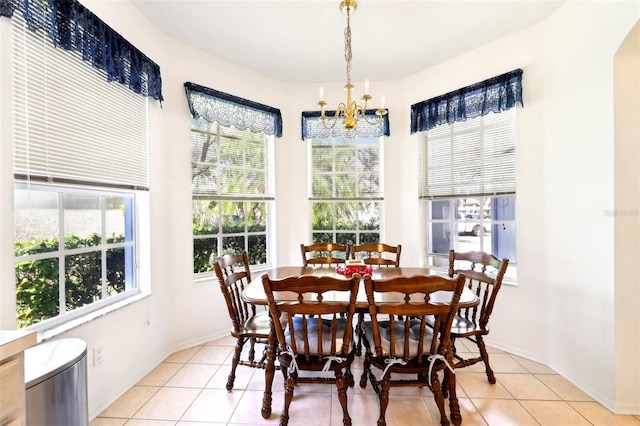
[
  {"x": 221, "y": 195},
  {"x": 439, "y": 260},
  {"x": 339, "y": 234},
  {"x": 133, "y": 288}
]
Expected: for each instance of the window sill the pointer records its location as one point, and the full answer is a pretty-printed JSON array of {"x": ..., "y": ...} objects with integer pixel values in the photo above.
[{"x": 47, "y": 333}]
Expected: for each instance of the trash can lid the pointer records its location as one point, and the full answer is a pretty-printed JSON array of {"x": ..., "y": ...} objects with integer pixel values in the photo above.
[{"x": 49, "y": 358}]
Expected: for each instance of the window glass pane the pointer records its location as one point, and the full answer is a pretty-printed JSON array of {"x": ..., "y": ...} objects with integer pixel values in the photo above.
[
  {"x": 37, "y": 291},
  {"x": 204, "y": 251},
  {"x": 233, "y": 219},
  {"x": 346, "y": 215},
  {"x": 322, "y": 216},
  {"x": 36, "y": 218},
  {"x": 116, "y": 271},
  {"x": 257, "y": 249},
  {"x": 82, "y": 220},
  {"x": 116, "y": 217},
  {"x": 257, "y": 217},
  {"x": 233, "y": 244},
  {"x": 369, "y": 216},
  {"x": 83, "y": 275},
  {"x": 206, "y": 217},
  {"x": 322, "y": 237}
]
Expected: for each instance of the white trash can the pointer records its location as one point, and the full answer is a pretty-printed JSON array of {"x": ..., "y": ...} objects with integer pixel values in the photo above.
[{"x": 56, "y": 383}]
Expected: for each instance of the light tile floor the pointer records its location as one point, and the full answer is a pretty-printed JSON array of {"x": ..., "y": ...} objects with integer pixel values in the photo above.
[{"x": 188, "y": 388}]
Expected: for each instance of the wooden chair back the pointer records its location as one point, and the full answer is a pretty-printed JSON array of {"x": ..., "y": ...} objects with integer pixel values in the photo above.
[
  {"x": 311, "y": 319},
  {"x": 323, "y": 254},
  {"x": 484, "y": 274},
  {"x": 377, "y": 254},
  {"x": 413, "y": 341},
  {"x": 234, "y": 275}
]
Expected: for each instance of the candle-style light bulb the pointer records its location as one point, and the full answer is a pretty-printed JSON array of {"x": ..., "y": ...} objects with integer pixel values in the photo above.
[
  {"x": 382, "y": 102},
  {"x": 322, "y": 93},
  {"x": 366, "y": 86}
]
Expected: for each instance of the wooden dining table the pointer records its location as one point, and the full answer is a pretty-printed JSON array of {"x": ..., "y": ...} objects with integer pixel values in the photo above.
[{"x": 254, "y": 293}]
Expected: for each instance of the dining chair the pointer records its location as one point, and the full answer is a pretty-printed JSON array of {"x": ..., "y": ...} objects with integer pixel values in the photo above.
[
  {"x": 316, "y": 336},
  {"x": 484, "y": 274},
  {"x": 373, "y": 254},
  {"x": 377, "y": 254},
  {"x": 323, "y": 254},
  {"x": 407, "y": 351},
  {"x": 247, "y": 325}
]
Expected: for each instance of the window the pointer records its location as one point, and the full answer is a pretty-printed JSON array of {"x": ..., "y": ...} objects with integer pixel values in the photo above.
[
  {"x": 346, "y": 189},
  {"x": 468, "y": 185},
  {"x": 95, "y": 261},
  {"x": 231, "y": 187},
  {"x": 80, "y": 168}
]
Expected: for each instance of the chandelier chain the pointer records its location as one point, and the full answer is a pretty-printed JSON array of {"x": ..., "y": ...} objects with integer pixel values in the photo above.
[{"x": 347, "y": 47}]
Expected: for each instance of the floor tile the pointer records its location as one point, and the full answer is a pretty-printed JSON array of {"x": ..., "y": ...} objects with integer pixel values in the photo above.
[
  {"x": 600, "y": 416},
  {"x": 526, "y": 386},
  {"x": 248, "y": 410},
  {"x": 475, "y": 385},
  {"x": 554, "y": 413},
  {"x": 209, "y": 354},
  {"x": 168, "y": 404},
  {"x": 129, "y": 403},
  {"x": 470, "y": 415},
  {"x": 193, "y": 375},
  {"x": 160, "y": 375},
  {"x": 503, "y": 412},
  {"x": 212, "y": 405},
  {"x": 243, "y": 377},
  {"x": 532, "y": 366},
  {"x": 142, "y": 422},
  {"x": 564, "y": 388},
  {"x": 183, "y": 356},
  {"x": 107, "y": 421}
]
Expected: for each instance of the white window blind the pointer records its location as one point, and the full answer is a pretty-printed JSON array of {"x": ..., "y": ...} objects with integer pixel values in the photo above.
[
  {"x": 346, "y": 168},
  {"x": 70, "y": 124},
  {"x": 474, "y": 157},
  {"x": 229, "y": 162}
]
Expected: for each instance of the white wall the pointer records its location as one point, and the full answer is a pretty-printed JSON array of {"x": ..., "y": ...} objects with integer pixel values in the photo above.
[
  {"x": 565, "y": 183},
  {"x": 627, "y": 227}
]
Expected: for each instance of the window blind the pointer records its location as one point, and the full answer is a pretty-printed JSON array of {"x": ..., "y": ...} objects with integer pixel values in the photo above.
[
  {"x": 474, "y": 157},
  {"x": 229, "y": 162},
  {"x": 346, "y": 168},
  {"x": 70, "y": 124}
]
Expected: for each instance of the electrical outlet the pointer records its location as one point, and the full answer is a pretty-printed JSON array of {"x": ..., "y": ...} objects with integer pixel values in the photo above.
[{"x": 97, "y": 355}]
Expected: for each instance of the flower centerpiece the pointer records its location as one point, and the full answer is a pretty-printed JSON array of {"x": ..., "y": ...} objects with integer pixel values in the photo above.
[{"x": 353, "y": 266}]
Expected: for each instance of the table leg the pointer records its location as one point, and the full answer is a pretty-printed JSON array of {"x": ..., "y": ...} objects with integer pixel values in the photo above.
[{"x": 270, "y": 369}]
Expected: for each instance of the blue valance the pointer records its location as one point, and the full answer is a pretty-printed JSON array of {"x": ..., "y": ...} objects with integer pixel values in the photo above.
[
  {"x": 493, "y": 95},
  {"x": 312, "y": 126},
  {"x": 229, "y": 110},
  {"x": 73, "y": 27}
]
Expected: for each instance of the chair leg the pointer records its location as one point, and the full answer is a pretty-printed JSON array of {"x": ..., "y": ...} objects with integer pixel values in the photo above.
[
  {"x": 342, "y": 396},
  {"x": 436, "y": 388},
  {"x": 234, "y": 362},
  {"x": 252, "y": 350},
  {"x": 359, "y": 333},
  {"x": 288, "y": 396},
  {"x": 384, "y": 399},
  {"x": 365, "y": 373},
  {"x": 485, "y": 359}
]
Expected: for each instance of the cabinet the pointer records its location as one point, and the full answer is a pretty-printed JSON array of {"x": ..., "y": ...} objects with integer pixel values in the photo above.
[{"x": 12, "y": 386}]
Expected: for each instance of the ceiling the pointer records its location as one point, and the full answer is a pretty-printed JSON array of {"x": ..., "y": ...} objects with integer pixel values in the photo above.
[{"x": 302, "y": 41}]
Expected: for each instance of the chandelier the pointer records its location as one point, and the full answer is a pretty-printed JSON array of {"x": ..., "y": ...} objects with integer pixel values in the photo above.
[{"x": 350, "y": 112}]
